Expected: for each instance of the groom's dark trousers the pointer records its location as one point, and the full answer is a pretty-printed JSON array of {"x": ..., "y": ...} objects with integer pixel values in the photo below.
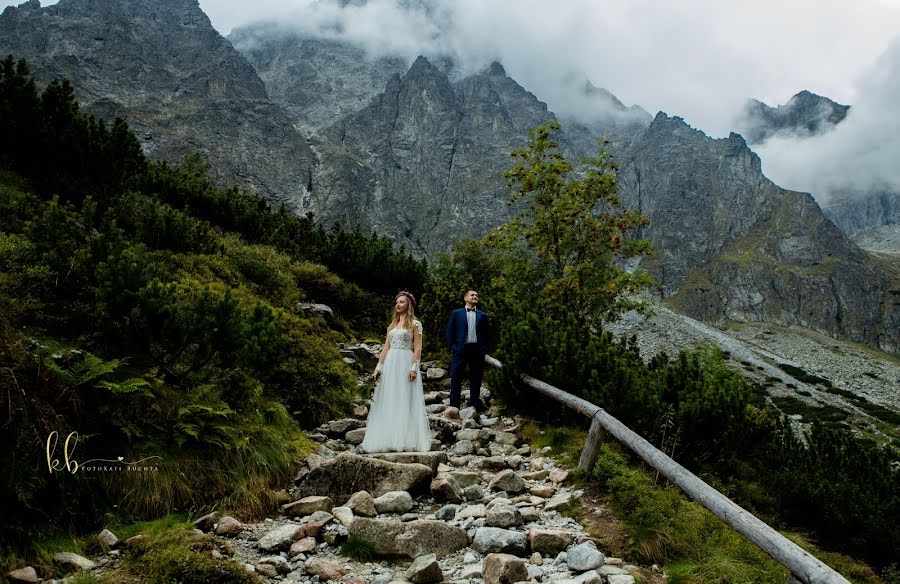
[{"x": 465, "y": 355}]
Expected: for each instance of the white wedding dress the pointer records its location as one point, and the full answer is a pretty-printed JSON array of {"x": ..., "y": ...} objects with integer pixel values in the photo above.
[{"x": 397, "y": 421}]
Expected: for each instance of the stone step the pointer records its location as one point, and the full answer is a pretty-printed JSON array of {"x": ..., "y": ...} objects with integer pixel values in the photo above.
[
  {"x": 430, "y": 459},
  {"x": 346, "y": 474}
]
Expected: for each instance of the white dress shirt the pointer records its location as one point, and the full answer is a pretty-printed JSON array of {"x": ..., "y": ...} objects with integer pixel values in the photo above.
[{"x": 470, "y": 318}]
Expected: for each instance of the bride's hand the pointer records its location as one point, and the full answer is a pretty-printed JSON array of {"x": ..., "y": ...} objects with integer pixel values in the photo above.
[
  {"x": 376, "y": 375},
  {"x": 412, "y": 375}
]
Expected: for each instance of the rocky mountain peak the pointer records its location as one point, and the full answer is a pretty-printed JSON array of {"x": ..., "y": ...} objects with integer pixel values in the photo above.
[
  {"x": 805, "y": 114},
  {"x": 496, "y": 69},
  {"x": 181, "y": 86},
  {"x": 423, "y": 69}
]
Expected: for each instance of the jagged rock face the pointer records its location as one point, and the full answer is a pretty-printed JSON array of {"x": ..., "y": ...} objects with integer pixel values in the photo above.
[
  {"x": 423, "y": 161},
  {"x": 872, "y": 220},
  {"x": 317, "y": 80},
  {"x": 735, "y": 246},
  {"x": 181, "y": 86},
  {"x": 699, "y": 193},
  {"x": 805, "y": 114},
  {"x": 795, "y": 267}
]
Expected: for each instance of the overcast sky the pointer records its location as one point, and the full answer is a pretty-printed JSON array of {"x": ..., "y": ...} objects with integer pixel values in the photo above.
[{"x": 699, "y": 59}]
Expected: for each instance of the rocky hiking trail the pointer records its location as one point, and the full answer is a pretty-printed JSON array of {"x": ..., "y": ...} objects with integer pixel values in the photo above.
[{"x": 481, "y": 506}]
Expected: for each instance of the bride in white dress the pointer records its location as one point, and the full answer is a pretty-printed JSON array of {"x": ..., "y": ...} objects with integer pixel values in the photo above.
[{"x": 397, "y": 421}]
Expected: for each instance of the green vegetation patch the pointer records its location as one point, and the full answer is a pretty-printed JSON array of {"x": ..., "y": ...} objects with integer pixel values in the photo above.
[
  {"x": 791, "y": 405},
  {"x": 180, "y": 555},
  {"x": 801, "y": 375}
]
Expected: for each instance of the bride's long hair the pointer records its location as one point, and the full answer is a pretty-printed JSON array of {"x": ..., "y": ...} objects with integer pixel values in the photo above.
[{"x": 410, "y": 313}]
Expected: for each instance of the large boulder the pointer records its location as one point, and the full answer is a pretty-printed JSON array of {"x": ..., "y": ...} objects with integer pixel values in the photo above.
[
  {"x": 496, "y": 540},
  {"x": 409, "y": 539},
  {"x": 280, "y": 538},
  {"x": 504, "y": 569},
  {"x": 429, "y": 459},
  {"x": 550, "y": 541},
  {"x": 307, "y": 506},
  {"x": 346, "y": 474}
]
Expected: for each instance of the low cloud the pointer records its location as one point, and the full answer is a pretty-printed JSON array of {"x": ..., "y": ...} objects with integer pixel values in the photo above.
[
  {"x": 859, "y": 155},
  {"x": 699, "y": 59}
]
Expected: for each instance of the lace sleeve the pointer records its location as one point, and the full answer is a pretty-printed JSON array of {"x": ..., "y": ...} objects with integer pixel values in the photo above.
[{"x": 418, "y": 324}]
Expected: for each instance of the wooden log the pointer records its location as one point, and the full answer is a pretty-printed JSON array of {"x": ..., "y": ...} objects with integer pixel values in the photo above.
[
  {"x": 591, "y": 446},
  {"x": 803, "y": 566}
]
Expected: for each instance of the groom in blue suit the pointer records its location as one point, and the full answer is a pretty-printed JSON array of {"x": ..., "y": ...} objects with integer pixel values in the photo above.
[{"x": 468, "y": 337}]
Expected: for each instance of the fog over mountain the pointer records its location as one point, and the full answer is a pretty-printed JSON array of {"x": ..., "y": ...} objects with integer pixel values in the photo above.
[
  {"x": 699, "y": 58},
  {"x": 859, "y": 155}
]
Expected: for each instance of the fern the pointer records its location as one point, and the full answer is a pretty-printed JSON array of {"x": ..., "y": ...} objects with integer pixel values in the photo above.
[
  {"x": 134, "y": 385},
  {"x": 207, "y": 419}
]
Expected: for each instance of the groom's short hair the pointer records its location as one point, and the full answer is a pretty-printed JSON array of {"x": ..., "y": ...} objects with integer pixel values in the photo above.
[{"x": 470, "y": 290}]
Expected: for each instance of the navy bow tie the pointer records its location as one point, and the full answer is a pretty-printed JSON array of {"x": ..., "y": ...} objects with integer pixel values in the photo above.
[{"x": 470, "y": 310}]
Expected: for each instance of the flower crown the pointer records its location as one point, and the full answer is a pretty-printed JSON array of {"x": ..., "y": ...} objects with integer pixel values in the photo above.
[{"x": 408, "y": 294}]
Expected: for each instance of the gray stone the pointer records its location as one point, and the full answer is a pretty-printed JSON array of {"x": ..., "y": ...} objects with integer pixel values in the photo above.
[
  {"x": 465, "y": 478},
  {"x": 504, "y": 516},
  {"x": 207, "y": 522},
  {"x": 72, "y": 562},
  {"x": 411, "y": 539},
  {"x": 583, "y": 557},
  {"x": 319, "y": 309},
  {"x": 425, "y": 570},
  {"x": 445, "y": 488},
  {"x": 229, "y": 526},
  {"x": 355, "y": 436},
  {"x": 608, "y": 570},
  {"x": 549, "y": 541},
  {"x": 473, "y": 493},
  {"x": 109, "y": 539},
  {"x": 302, "y": 546},
  {"x": 346, "y": 474},
  {"x": 362, "y": 503},
  {"x": 496, "y": 540},
  {"x": 447, "y": 512},
  {"x": 561, "y": 502},
  {"x": 267, "y": 570},
  {"x": 312, "y": 525},
  {"x": 591, "y": 577},
  {"x": 508, "y": 481},
  {"x": 462, "y": 447},
  {"x": 394, "y": 502},
  {"x": 280, "y": 563},
  {"x": 468, "y": 413},
  {"x": 280, "y": 538},
  {"x": 307, "y": 506},
  {"x": 472, "y": 511},
  {"x": 25, "y": 575},
  {"x": 430, "y": 459},
  {"x": 504, "y": 569},
  {"x": 344, "y": 515},
  {"x": 325, "y": 569}
]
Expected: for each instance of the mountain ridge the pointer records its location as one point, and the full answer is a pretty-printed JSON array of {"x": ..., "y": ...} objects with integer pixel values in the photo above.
[{"x": 421, "y": 161}]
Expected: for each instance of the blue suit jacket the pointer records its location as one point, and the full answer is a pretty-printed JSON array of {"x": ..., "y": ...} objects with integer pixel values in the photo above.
[{"x": 458, "y": 330}]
